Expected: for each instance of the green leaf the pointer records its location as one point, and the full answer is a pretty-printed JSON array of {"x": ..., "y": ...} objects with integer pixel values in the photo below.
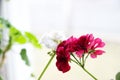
[
  {"x": 17, "y": 36},
  {"x": 32, "y": 39},
  {"x": 0, "y": 51},
  {"x": 24, "y": 57},
  {"x": 1, "y": 26},
  {"x": 118, "y": 76},
  {"x": 1, "y": 78},
  {"x": 20, "y": 39},
  {"x": 1, "y": 20},
  {"x": 14, "y": 32},
  {"x": 0, "y": 35},
  {"x": 5, "y": 23}
]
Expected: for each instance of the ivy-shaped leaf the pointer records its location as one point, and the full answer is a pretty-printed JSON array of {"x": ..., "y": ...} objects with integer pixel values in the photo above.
[
  {"x": 33, "y": 39},
  {"x": 118, "y": 76},
  {"x": 24, "y": 57},
  {"x": 17, "y": 36}
]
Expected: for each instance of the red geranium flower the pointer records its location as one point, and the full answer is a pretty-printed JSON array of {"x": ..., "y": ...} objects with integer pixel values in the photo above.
[
  {"x": 79, "y": 49},
  {"x": 63, "y": 57},
  {"x": 71, "y": 44},
  {"x": 97, "y": 43},
  {"x": 85, "y": 44}
]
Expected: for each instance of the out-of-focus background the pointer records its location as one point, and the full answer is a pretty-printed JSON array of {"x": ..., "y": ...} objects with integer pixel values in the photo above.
[{"x": 72, "y": 17}]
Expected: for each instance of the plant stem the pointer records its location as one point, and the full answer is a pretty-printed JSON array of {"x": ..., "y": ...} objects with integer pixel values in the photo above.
[
  {"x": 46, "y": 67},
  {"x": 89, "y": 73},
  {"x": 76, "y": 60},
  {"x": 82, "y": 66},
  {"x": 86, "y": 57},
  {"x": 8, "y": 47},
  {"x": 83, "y": 62}
]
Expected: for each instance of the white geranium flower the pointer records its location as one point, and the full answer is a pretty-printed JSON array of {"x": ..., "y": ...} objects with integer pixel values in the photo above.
[{"x": 52, "y": 39}]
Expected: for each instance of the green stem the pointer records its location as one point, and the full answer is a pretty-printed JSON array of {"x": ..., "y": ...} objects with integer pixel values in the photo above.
[
  {"x": 8, "y": 47},
  {"x": 82, "y": 66},
  {"x": 74, "y": 61},
  {"x": 83, "y": 63},
  {"x": 86, "y": 58},
  {"x": 46, "y": 67},
  {"x": 89, "y": 74},
  {"x": 77, "y": 61}
]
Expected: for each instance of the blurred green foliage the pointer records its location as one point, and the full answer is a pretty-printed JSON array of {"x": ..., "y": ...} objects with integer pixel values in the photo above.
[{"x": 16, "y": 36}]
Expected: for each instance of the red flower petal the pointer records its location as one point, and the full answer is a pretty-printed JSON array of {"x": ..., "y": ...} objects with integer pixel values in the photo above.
[
  {"x": 99, "y": 52},
  {"x": 80, "y": 53},
  {"x": 93, "y": 55}
]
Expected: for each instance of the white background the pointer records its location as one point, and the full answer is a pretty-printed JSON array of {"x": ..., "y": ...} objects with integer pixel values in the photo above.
[{"x": 76, "y": 16}]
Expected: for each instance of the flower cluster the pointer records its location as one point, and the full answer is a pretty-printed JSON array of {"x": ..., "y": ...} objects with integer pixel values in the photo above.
[
  {"x": 84, "y": 45},
  {"x": 73, "y": 49}
]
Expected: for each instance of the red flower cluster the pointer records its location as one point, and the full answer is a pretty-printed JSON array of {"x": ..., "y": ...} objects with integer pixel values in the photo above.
[{"x": 86, "y": 44}]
